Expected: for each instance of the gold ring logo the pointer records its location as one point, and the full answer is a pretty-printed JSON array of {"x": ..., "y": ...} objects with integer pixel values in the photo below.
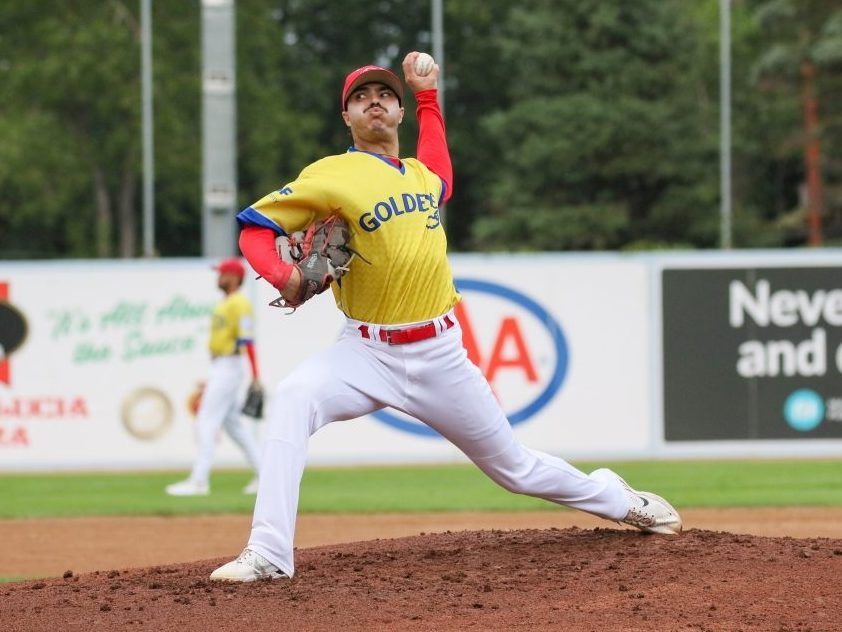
[{"x": 147, "y": 413}]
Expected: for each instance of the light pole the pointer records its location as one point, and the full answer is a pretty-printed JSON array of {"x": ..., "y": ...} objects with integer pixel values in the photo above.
[
  {"x": 438, "y": 45},
  {"x": 147, "y": 129},
  {"x": 437, "y": 28},
  {"x": 219, "y": 128},
  {"x": 725, "y": 122}
]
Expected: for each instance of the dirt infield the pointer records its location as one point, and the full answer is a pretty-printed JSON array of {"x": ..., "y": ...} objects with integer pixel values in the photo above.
[
  {"x": 559, "y": 570},
  {"x": 544, "y": 579},
  {"x": 48, "y": 547}
]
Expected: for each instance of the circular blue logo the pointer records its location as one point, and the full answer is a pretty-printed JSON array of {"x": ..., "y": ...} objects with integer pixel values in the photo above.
[
  {"x": 804, "y": 410},
  {"x": 558, "y": 373}
]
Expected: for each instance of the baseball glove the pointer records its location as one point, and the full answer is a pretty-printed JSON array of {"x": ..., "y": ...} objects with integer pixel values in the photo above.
[
  {"x": 322, "y": 256},
  {"x": 253, "y": 406}
]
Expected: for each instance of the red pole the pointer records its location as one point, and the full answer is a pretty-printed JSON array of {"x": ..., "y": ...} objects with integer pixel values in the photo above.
[{"x": 4, "y": 362}]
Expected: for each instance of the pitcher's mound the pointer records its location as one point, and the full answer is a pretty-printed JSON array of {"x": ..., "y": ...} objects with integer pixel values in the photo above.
[{"x": 570, "y": 579}]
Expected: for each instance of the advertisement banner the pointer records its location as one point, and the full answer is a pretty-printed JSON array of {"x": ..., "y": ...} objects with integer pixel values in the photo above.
[
  {"x": 752, "y": 353},
  {"x": 100, "y": 358}
]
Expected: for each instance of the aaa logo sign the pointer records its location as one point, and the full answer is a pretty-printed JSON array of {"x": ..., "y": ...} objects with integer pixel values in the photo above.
[{"x": 515, "y": 342}]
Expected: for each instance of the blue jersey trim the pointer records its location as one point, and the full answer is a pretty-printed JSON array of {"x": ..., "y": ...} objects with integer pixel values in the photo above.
[
  {"x": 250, "y": 217},
  {"x": 402, "y": 168},
  {"x": 443, "y": 190}
]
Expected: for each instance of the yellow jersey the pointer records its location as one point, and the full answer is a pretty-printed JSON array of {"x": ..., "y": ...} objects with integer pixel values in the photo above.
[
  {"x": 231, "y": 325},
  {"x": 402, "y": 274}
]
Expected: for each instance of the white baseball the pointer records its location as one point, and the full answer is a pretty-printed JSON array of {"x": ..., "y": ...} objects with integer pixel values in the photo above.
[{"x": 424, "y": 64}]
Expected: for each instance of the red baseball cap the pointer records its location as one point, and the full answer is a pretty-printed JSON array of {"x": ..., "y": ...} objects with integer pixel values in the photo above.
[
  {"x": 369, "y": 74},
  {"x": 231, "y": 266}
]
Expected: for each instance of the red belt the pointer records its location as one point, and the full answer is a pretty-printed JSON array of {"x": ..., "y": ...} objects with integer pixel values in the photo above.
[{"x": 405, "y": 335}]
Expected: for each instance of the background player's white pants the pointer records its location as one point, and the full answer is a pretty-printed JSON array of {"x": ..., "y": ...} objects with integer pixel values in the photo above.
[
  {"x": 220, "y": 408},
  {"x": 433, "y": 381}
]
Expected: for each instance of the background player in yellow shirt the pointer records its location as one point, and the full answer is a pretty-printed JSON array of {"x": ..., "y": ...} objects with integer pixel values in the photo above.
[
  {"x": 401, "y": 345},
  {"x": 231, "y": 333}
]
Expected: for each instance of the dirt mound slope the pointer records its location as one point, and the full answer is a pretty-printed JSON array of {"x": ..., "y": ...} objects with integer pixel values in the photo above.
[{"x": 544, "y": 579}]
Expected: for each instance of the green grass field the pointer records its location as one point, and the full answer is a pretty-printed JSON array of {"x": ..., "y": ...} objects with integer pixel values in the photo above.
[{"x": 761, "y": 483}]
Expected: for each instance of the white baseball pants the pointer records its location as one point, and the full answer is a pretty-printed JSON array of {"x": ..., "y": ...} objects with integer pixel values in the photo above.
[
  {"x": 220, "y": 408},
  {"x": 433, "y": 381}
]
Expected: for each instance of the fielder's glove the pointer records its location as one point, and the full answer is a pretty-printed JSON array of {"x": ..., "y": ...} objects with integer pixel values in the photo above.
[
  {"x": 253, "y": 406},
  {"x": 322, "y": 256}
]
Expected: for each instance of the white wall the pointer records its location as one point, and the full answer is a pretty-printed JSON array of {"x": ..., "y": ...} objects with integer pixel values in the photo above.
[{"x": 114, "y": 349}]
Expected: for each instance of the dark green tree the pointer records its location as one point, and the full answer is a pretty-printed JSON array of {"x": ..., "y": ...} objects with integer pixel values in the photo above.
[
  {"x": 70, "y": 160},
  {"x": 573, "y": 124},
  {"x": 60, "y": 71},
  {"x": 796, "y": 73},
  {"x": 603, "y": 143}
]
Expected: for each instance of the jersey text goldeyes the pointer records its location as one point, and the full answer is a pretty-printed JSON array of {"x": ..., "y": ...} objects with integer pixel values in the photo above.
[{"x": 393, "y": 207}]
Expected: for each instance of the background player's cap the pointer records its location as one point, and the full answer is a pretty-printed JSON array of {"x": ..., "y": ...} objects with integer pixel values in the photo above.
[
  {"x": 367, "y": 74},
  {"x": 232, "y": 266}
]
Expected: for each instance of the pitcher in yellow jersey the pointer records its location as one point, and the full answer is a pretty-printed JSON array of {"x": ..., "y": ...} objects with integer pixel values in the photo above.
[
  {"x": 231, "y": 334},
  {"x": 401, "y": 345}
]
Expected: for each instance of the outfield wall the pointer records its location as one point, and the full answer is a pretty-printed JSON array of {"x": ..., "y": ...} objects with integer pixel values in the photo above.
[{"x": 600, "y": 356}]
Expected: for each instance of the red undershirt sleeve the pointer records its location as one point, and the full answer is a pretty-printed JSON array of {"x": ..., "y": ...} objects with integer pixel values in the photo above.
[
  {"x": 258, "y": 247},
  {"x": 252, "y": 360},
  {"x": 432, "y": 140}
]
